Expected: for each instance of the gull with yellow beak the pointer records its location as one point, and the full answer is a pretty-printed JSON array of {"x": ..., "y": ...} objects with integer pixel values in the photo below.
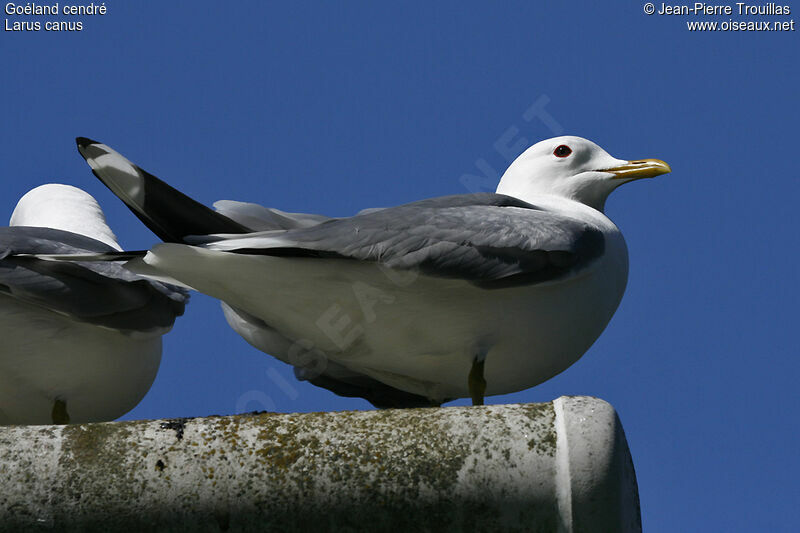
[{"x": 452, "y": 297}]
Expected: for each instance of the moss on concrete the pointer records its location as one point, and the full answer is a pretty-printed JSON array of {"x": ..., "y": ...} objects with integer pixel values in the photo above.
[{"x": 456, "y": 468}]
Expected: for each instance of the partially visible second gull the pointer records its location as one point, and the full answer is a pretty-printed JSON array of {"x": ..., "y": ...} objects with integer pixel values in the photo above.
[
  {"x": 451, "y": 297},
  {"x": 81, "y": 342}
]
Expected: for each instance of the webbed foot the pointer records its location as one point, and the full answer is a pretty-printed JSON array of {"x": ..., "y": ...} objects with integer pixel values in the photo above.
[
  {"x": 59, "y": 414},
  {"x": 477, "y": 383}
]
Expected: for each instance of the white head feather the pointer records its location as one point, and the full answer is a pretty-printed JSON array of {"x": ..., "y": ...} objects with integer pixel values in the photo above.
[
  {"x": 66, "y": 208},
  {"x": 574, "y": 168}
]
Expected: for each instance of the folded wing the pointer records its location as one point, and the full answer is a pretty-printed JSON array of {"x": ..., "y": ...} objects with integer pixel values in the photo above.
[
  {"x": 99, "y": 293},
  {"x": 490, "y": 240}
]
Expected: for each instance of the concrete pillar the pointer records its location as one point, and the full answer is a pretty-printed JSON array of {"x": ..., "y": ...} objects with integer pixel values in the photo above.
[{"x": 557, "y": 466}]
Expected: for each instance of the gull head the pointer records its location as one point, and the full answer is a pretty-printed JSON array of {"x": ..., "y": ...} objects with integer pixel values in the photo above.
[
  {"x": 63, "y": 207},
  {"x": 573, "y": 168}
]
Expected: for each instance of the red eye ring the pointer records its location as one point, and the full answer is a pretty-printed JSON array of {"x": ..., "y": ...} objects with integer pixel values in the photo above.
[{"x": 562, "y": 151}]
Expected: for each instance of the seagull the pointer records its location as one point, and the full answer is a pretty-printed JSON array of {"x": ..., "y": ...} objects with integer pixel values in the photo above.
[
  {"x": 81, "y": 341},
  {"x": 460, "y": 296}
]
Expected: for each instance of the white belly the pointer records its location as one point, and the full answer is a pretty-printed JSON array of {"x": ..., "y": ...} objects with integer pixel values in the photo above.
[
  {"x": 101, "y": 374},
  {"x": 416, "y": 333}
]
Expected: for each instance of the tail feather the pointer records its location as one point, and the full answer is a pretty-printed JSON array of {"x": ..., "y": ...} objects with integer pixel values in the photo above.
[
  {"x": 100, "y": 257},
  {"x": 134, "y": 262},
  {"x": 169, "y": 213}
]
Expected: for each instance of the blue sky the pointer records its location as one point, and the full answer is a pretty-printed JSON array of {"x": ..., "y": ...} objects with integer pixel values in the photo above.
[{"x": 335, "y": 107}]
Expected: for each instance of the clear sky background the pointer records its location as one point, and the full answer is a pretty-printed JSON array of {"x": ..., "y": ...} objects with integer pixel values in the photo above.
[{"x": 334, "y": 107}]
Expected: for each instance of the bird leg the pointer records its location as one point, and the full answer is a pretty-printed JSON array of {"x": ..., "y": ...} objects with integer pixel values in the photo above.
[
  {"x": 477, "y": 384},
  {"x": 59, "y": 414}
]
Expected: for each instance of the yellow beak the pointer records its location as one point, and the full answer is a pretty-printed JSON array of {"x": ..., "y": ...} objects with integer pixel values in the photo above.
[{"x": 642, "y": 168}]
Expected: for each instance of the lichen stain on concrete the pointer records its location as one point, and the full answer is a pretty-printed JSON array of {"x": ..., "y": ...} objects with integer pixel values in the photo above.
[
  {"x": 417, "y": 467},
  {"x": 349, "y": 454},
  {"x": 314, "y": 456},
  {"x": 543, "y": 441},
  {"x": 396, "y": 476},
  {"x": 96, "y": 456}
]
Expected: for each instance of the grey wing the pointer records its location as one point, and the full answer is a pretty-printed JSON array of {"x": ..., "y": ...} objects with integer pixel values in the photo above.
[
  {"x": 100, "y": 293},
  {"x": 260, "y": 218},
  {"x": 490, "y": 240}
]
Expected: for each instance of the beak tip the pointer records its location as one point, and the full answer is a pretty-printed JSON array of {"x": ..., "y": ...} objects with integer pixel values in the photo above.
[
  {"x": 641, "y": 168},
  {"x": 663, "y": 166}
]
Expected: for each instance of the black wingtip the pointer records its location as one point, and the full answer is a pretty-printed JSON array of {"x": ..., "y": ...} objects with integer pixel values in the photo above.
[
  {"x": 83, "y": 142},
  {"x": 169, "y": 213}
]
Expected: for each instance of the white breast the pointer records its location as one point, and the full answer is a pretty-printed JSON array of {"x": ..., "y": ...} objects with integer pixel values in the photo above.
[{"x": 101, "y": 373}]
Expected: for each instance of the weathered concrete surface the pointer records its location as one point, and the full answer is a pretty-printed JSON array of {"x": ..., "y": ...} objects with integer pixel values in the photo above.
[{"x": 559, "y": 466}]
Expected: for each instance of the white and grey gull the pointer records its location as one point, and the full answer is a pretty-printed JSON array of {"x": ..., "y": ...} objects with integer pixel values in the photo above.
[
  {"x": 81, "y": 341},
  {"x": 459, "y": 296}
]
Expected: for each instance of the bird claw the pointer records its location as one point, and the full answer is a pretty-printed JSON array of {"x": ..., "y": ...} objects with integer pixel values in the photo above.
[
  {"x": 59, "y": 414},
  {"x": 477, "y": 383}
]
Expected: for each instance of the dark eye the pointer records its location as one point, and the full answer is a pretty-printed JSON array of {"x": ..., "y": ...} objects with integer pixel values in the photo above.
[{"x": 562, "y": 151}]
